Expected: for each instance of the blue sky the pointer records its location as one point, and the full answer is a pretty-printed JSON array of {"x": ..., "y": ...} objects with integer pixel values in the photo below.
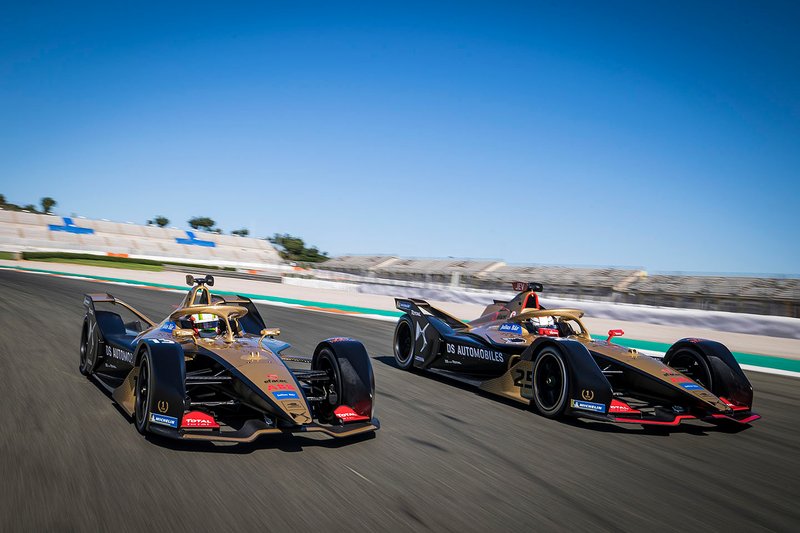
[{"x": 654, "y": 134}]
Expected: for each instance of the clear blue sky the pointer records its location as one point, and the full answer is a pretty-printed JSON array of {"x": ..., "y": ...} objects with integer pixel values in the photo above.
[{"x": 656, "y": 134}]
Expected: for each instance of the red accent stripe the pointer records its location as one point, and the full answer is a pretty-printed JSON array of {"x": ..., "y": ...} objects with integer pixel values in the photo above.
[
  {"x": 678, "y": 420},
  {"x": 733, "y": 405},
  {"x": 747, "y": 420}
]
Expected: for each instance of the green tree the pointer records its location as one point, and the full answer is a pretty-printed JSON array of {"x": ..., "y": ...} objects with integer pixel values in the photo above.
[
  {"x": 31, "y": 208},
  {"x": 294, "y": 249},
  {"x": 244, "y": 232},
  {"x": 2, "y": 199},
  {"x": 160, "y": 221},
  {"x": 47, "y": 204},
  {"x": 202, "y": 223}
]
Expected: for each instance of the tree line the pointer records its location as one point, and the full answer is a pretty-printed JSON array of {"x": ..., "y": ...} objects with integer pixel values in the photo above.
[
  {"x": 46, "y": 203},
  {"x": 289, "y": 247}
]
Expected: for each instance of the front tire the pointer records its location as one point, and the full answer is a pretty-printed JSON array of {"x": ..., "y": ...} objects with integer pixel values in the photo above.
[
  {"x": 404, "y": 343},
  {"x": 550, "y": 383},
  {"x": 143, "y": 388}
]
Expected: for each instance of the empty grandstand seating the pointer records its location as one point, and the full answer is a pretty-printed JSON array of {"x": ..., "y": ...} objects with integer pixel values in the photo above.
[
  {"x": 775, "y": 296},
  {"x": 23, "y": 231}
]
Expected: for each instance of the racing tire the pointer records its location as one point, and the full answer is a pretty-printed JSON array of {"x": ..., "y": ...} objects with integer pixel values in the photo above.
[
  {"x": 550, "y": 383},
  {"x": 693, "y": 364},
  {"x": 90, "y": 346},
  {"x": 142, "y": 396},
  {"x": 344, "y": 384},
  {"x": 404, "y": 343}
]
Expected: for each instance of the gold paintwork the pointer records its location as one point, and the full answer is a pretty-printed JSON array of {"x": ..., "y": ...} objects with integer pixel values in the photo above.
[
  {"x": 183, "y": 334},
  {"x": 243, "y": 351},
  {"x": 269, "y": 332},
  {"x": 516, "y": 383},
  {"x": 125, "y": 394}
]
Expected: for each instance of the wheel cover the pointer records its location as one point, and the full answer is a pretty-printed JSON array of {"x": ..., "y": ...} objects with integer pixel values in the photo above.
[
  {"x": 403, "y": 346},
  {"x": 549, "y": 381}
]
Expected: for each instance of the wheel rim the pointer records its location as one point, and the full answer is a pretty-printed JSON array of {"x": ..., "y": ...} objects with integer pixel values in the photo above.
[
  {"x": 403, "y": 345},
  {"x": 692, "y": 366},
  {"x": 326, "y": 365},
  {"x": 142, "y": 392},
  {"x": 549, "y": 381}
]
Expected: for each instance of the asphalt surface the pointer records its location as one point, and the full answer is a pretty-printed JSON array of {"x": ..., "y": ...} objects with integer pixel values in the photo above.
[{"x": 446, "y": 458}]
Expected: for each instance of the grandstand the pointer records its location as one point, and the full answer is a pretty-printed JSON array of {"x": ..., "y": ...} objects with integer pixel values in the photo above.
[
  {"x": 772, "y": 296},
  {"x": 763, "y": 296},
  {"x": 22, "y": 231}
]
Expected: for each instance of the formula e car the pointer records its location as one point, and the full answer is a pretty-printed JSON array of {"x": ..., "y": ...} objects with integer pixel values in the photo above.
[
  {"x": 547, "y": 359},
  {"x": 213, "y": 371}
]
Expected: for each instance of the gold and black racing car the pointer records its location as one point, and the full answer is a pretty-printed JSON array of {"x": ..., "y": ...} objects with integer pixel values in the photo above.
[
  {"x": 546, "y": 358},
  {"x": 213, "y": 371}
]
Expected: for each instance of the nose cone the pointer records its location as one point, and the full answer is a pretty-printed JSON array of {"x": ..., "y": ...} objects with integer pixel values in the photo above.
[{"x": 269, "y": 375}]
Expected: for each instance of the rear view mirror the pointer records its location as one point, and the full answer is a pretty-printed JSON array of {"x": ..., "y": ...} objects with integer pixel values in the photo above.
[
  {"x": 270, "y": 332},
  {"x": 183, "y": 334}
]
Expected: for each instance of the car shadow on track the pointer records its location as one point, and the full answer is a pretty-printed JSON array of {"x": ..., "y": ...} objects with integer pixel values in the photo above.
[
  {"x": 588, "y": 425},
  {"x": 284, "y": 443}
]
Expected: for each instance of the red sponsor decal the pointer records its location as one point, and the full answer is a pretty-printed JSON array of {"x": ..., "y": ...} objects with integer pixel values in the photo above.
[
  {"x": 273, "y": 376},
  {"x": 346, "y": 414},
  {"x": 550, "y": 332},
  {"x": 198, "y": 419},
  {"x": 279, "y": 386},
  {"x": 519, "y": 286},
  {"x": 621, "y": 407},
  {"x": 733, "y": 405},
  {"x": 680, "y": 379}
]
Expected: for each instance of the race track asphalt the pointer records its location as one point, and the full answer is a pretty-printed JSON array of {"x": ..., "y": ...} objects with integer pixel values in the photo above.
[{"x": 446, "y": 458}]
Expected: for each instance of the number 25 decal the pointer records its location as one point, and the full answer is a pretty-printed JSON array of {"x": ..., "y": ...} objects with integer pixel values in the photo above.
[{"x": 522, "y": 378}]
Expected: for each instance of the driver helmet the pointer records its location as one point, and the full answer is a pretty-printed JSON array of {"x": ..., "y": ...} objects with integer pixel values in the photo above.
[
  {"x": 543, "y": 322},
  {"x": 205, "y": 325},
  {"x": 544, "y": 325}
]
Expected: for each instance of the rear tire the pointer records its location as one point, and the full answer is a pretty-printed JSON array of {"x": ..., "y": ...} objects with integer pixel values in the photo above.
[
  {"x": 694, "y": 365},
  {"x": 404, "y": 343},
  {"x": 90, "y": 345},
  {"x": 143, "y": 388},
  {"x": 550, "y": 383}
]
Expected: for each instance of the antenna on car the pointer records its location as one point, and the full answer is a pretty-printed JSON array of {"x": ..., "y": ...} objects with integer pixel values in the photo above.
[{"x": 207, "y": 280}]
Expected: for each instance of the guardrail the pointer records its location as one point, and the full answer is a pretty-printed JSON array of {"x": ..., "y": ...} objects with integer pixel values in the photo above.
[{"x": 224, "y": 273}]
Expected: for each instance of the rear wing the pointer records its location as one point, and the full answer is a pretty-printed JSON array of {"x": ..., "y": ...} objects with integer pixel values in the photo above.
[
  {"x": 103, "y": 297},
  {"x": 413, "y": 305}
]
